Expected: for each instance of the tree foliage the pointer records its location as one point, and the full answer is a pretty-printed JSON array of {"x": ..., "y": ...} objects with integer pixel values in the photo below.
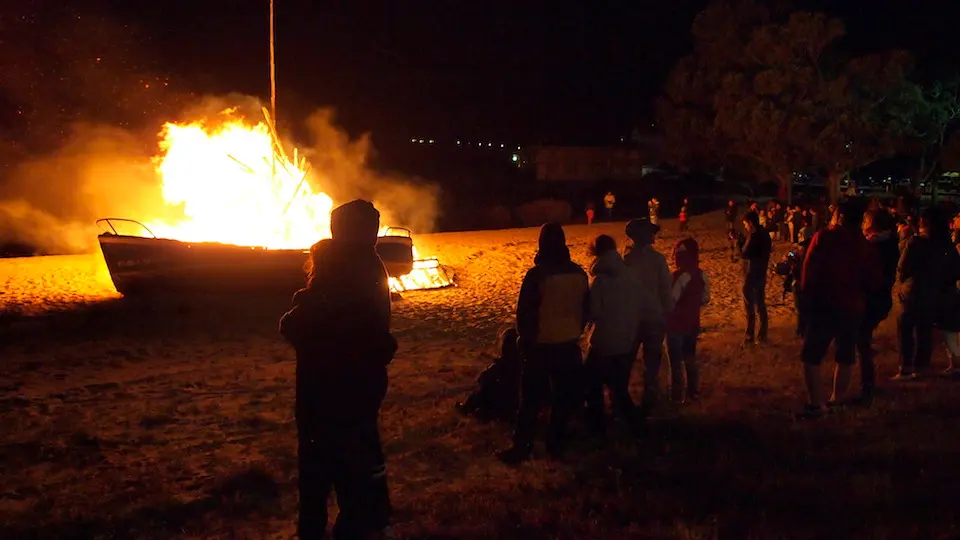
[
  {"x": 770, "y": 86},
  {"x": 928, "y": 113}
]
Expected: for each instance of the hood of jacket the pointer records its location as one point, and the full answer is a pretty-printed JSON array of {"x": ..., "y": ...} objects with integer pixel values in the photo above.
[
  {"x": 608, "y": 264},
  {"x": 686, "y": 255},
  {"x": 552, "y": 246}
]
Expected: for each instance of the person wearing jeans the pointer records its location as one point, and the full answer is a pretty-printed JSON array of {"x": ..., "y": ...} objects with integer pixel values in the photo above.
[
  {"x": 552, "y": 311},
  {"x": 614, "y": 318},
  {"x": 756, "y": 258},
  {"x": 921, "y": 273},
  {"x": 879, "y": 228},
  {"x": 654, "y": 303},
  {"x": 690, "y": 291}
]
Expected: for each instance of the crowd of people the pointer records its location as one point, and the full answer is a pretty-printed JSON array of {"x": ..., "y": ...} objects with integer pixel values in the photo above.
[{"x": 842, "y": 274}]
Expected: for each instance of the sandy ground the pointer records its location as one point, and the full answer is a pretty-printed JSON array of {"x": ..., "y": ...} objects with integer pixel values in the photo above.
[{"x": 167, "y": 418}]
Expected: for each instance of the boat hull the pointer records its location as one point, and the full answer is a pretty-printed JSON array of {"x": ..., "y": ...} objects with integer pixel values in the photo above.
[{"x": 140, "y": 265}]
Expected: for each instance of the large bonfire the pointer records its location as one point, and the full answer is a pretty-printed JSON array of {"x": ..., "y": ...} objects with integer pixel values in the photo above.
[{"x": 236, "y": 185}]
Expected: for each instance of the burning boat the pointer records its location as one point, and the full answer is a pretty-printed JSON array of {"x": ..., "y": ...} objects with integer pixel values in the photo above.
[
  {"x": 147, "y": 264},
  {"x": 246, "y": 216}
]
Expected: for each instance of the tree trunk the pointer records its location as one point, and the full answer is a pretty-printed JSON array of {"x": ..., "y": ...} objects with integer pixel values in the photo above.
[{"x": 833, "y": 186}]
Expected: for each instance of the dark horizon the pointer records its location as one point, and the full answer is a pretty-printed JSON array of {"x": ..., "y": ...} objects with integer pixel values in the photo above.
[{"x": 499, "y": 72}]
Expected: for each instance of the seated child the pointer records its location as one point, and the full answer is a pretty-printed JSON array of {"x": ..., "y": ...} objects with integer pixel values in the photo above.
[{"x": 498, "y": 386}]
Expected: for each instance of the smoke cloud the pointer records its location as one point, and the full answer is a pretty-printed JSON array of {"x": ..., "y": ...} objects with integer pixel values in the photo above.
[
  {"x": 52, "y": 200},
  {"x": 341, "y": 168}
]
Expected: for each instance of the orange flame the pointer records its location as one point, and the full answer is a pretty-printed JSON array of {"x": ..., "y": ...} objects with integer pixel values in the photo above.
[
  {"x": 426, "y": 274},
  {"x": 236, "y": 186}
]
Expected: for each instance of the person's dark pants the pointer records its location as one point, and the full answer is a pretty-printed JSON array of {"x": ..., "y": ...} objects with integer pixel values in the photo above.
[
  {"x": 612, "y": 372},
  {"x": 787, "y": 287},
  {"x": 755, "y": 305},
  {"x": 550, "y": 373},
  {"x": 342, "y": 452},
  {"x": 916, "y": 339},
  {"x": 828, "y": 326},
  {"x": 801, "y": 309},
  {"x": 610, "y": 214},
  {"x": 650, "y": 337},
  {"x": 682, "y": 352},
  {"x": 683, "y": 226},
  {"x": 868, "y": 371}
]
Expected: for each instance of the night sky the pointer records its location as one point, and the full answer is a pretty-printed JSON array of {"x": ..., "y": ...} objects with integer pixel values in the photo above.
[{"x": 513, "y": 71}]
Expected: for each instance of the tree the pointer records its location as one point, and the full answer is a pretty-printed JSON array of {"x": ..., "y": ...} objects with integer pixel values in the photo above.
[
  {"x": 779, "y": 96},
  {"x": 687, "y": 109},
  {"x": 928, "y": 113}
]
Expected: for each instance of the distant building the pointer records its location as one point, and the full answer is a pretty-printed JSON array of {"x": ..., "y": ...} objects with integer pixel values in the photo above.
[{"x": 589, "y": 163}]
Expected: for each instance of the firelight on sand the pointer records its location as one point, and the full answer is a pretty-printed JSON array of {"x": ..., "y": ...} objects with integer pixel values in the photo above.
[{"x": 236, "y": 185}]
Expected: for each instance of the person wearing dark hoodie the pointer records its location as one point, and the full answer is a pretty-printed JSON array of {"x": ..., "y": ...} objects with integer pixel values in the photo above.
[
  {"x": 756, "y": 258},
  {"x": 552, "y": 312},
  {"x": 654, "y": 303},
  {"x": 690, "y": 291},
  {"x": 839, "y": 271},
  {"x": 615, "y": 320},
  {"x": 339, "y": 326},
  {"x": 879, "y": 228},
  {"x": 921, "y": 275}
]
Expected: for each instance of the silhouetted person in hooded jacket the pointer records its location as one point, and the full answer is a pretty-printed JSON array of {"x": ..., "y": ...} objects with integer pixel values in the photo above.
[
  {"x": 552, "y": 312},
  {"x": 340, "y": 328}
]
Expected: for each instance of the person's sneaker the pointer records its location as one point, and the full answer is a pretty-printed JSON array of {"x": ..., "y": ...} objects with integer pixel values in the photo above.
[
  {"x": 835, "y": 406},
  {"x": 513, "y": 456},
  {"x": 950, "y": 373},
  {"x": 903, "y": 377},
  {"x": 763, "y": 340},
  {"x": 748, "y": 342},
  {"x": 810, "y": 412}
]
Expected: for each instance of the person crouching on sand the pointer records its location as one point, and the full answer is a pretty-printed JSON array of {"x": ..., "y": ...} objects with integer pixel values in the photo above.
[
  {"x": 615, "y": 320},
  {"x": 339, "y": 326},
  {"x": 551, "y": 314},
  {"x": 691, "y": 291}
]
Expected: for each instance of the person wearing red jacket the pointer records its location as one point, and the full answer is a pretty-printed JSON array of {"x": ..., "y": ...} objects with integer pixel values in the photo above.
[
  {"x": 691, "y": 291},
  {"x": 840, "y": 269}
]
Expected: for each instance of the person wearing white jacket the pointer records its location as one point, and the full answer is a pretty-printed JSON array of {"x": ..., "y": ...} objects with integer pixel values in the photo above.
[{"x": 614, "y": 320}]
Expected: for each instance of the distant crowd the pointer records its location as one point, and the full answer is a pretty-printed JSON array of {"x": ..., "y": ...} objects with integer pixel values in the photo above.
[{"x": 841, "y": 270}]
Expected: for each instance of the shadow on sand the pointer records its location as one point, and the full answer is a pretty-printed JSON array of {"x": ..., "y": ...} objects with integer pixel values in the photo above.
[
  {"x": 252, "y": 491},
  {"x": 158, "y": 315}
]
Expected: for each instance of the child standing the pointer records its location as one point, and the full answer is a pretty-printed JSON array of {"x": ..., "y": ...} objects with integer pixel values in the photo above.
[
  {"x": 683, "y": 218},
  {"x": 615, "y": 319},
  {"x": 691, "y": 291}
]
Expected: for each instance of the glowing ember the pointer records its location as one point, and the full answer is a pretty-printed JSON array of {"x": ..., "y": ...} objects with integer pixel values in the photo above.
[
  {"x": 236, "y": 186},
  {"x": 426, "y": 274}
]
